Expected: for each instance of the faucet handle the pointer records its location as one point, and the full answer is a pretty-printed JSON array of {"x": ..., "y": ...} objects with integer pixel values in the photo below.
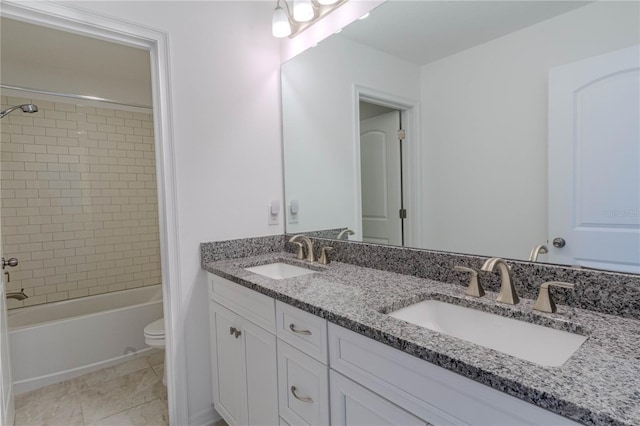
[
  {"x": 474, "y": 289},
  {"x": 545, "y": 302},
  {"x": 324, "y": 256},
  {"x": 300, "y": 252}
]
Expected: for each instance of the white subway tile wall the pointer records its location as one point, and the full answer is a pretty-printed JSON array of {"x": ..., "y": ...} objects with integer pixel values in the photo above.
[{"x": 79, "y": 200}]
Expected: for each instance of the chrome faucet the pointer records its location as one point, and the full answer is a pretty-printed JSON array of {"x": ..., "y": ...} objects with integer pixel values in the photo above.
[
  {"x": 18, "y": 295},
  {"x": 537, "y": 250},
  {"x": 310, "y": 255},
  {"x": 507, "y": 290},
  {"x": 346, "y": 233}
]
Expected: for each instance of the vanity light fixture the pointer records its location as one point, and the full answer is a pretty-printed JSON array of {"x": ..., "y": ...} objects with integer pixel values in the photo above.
[
  {"x": 280, "y": 25},
  {"x": 305, "y": 13},
  {"x": 303, "y": 10}
]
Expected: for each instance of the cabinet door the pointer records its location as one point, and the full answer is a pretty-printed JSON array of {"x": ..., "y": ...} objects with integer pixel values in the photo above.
[
  {"x": 228, "y": 365},
  {"x": 262, "y": 375},
  {"x": 352, "y": 405}
]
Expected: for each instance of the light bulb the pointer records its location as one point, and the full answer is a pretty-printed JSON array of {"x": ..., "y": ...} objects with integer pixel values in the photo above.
[
  {"x": 280, "y": 25},
  {"x": 302, "y": 10},
  {"x": 327, "y": 2}
]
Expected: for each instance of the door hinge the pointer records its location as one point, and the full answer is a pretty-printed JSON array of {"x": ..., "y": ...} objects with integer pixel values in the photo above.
[
  {"x": 402, "y": 134},
  {"x": 403, "y": 213}
]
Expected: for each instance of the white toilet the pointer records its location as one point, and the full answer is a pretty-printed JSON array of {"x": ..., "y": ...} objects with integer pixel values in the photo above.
[{"x": 154, "y": 337}]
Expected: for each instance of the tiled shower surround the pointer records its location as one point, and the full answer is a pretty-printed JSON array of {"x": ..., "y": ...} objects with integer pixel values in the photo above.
[{"x": 79, "y": 200}]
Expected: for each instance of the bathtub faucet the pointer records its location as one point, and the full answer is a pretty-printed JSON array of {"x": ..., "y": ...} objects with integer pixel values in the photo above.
[{"x": 18, "y": 295}]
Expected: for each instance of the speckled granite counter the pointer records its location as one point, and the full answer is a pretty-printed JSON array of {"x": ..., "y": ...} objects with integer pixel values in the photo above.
[{"x": 599, "y": 384}]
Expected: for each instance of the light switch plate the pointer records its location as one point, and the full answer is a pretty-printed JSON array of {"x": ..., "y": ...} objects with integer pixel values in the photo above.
[
  {"x": 292, "y": 217},
  {"x": 273, "y": 212}
]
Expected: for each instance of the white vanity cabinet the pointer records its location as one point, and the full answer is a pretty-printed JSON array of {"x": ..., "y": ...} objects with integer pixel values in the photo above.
[
  {"x": 278, "y": 365},
  {"x": 243, "y": 354}
]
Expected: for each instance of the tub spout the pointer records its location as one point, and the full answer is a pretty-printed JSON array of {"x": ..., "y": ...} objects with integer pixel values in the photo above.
[{"x": 18, "y": 295}]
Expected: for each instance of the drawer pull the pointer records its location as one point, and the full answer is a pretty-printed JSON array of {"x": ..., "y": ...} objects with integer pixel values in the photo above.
[
  {"x": 235, "y": 332},
  {"x": 301, "y": 398},
  {"x": 292, "y": 327}
]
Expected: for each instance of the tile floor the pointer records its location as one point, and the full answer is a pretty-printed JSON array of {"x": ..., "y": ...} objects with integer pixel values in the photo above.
[{"x": 130, "y": 393}]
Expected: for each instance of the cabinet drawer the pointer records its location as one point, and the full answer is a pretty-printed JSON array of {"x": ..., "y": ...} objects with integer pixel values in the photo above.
[
  {"x": 352, "y": 404},
  {"x": 302, "y": 330},
  {"x": 303, "y": 387},
  {"x": 430, "y": 392},
  {"x": 256, "y": 307}
]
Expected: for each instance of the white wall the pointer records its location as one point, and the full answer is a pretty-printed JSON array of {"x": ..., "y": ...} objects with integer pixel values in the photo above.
[
  {"x": 224, "y": 67},
  {"x": 320, "y": 154},
  {"x": 486, "y": 148},
  {"x": 38, "y": 57}
]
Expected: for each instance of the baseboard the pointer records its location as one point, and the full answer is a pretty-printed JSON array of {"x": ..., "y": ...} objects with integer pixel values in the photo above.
[{"x": 206, "y": 417}]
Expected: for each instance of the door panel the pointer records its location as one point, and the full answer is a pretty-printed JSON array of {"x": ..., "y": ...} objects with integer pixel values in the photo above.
[
  {"x": 594, "y": 161},
  {"x": 354, "y": 405},
  {"x": 229, "y": 395},
  {"x": 6, "y": 390},
  {"x": 381, "y": 188},
  {"x": 6, "y": 385},
  {"x": 262, "y": 377}
]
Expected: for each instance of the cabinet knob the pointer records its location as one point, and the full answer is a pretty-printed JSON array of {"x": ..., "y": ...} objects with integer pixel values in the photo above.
[
  {"x": 235, "y": 332},
  {"x": 301, "y": 398}
]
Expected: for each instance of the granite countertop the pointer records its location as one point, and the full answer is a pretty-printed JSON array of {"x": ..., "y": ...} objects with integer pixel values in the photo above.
[{"x": 599, "y": 384}]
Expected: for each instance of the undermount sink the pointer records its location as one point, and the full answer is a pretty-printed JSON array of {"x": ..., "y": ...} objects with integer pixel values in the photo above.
[
  {"x": 541, "y": 345},
  {"x": 279, "y": 270}
]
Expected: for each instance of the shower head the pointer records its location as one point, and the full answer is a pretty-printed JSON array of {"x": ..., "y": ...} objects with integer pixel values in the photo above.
[{"x": 28, "y": 108}]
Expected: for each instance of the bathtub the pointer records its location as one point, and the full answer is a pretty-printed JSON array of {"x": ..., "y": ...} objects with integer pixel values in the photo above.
[{"x": 58, "y": 341}]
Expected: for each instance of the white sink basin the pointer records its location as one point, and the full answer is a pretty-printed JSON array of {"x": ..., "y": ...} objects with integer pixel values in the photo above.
[
  {"x": 279, "y": 270},
  {"x": 535, "y": 343}
]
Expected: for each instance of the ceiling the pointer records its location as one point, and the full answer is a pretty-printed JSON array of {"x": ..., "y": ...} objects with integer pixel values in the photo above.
[{"x": 425, "y": 31}]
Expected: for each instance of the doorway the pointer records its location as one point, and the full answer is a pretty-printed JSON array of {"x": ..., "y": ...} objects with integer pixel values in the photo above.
[
  {"x": 387, "y": 168},
  {"x": 383, "y": 211},
  {"x": 94, "y": 26}
]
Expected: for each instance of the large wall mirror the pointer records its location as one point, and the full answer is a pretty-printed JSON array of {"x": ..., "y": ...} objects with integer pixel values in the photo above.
[{"x": 520, "y": 128}]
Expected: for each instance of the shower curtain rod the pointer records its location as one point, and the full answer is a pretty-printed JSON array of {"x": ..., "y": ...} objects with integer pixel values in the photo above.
[{"x": 73, "y": 96}]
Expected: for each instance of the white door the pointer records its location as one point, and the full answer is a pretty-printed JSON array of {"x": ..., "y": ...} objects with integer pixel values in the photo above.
[
  {"x": 6, "y": 387},
  {"x": 380, "y": 177},
  {"x": 594, "y": 162}
]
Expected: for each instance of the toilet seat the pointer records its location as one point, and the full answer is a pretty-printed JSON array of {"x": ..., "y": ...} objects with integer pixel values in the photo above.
[{"x": 154, "y": 333}]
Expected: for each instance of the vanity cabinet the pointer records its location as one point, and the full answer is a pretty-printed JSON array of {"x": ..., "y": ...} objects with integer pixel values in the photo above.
[
  {"x": 276, "y": 364},
  {"x": 243, "y": 354}
]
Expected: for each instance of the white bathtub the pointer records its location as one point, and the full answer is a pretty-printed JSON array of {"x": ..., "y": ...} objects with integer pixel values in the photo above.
[{"x": 62, "y": 340}]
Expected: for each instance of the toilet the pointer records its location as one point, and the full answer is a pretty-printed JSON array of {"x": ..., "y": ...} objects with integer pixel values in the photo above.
[{"x": 154, "y": 337}]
